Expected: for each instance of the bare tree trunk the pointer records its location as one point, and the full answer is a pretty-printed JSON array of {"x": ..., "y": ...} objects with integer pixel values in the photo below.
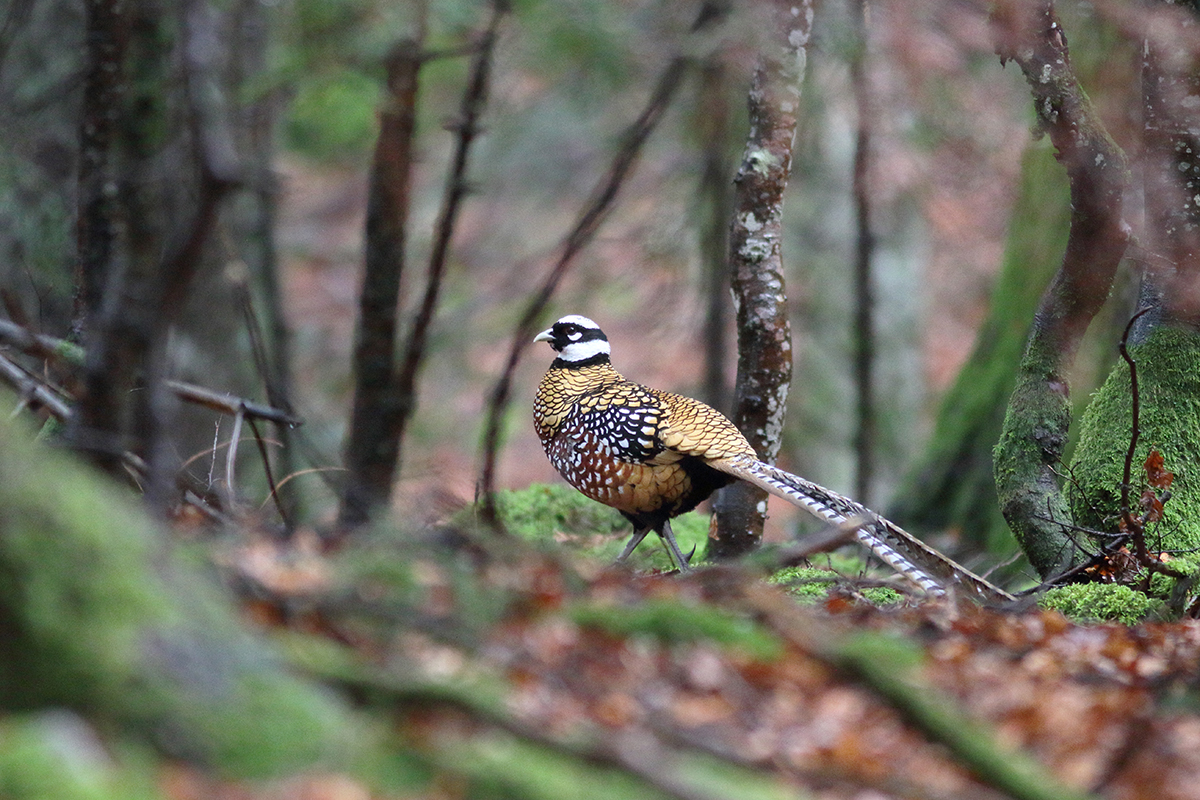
[
  {"x": 764, "y": 335},
  {"x": 382, "y": 411},
  {"x": 1027, "y": 459},
  {"x": 96, "y": 219},
  {"x": 114, "y": 416},
  {"x": 373, "y": 447},
  {"x": 864, "y": 294},
  {"x": 122, "y": 405},
  {"x": 712, "y": 121}
]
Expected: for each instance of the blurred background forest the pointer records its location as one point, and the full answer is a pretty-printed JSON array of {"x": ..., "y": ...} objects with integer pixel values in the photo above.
[
  {"x": 304, "y": 80},
  {"x": 218, "y": 159}
]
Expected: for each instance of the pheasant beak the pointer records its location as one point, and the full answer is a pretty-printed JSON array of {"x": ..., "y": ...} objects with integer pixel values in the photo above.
[{"x": 545, "y": 336}]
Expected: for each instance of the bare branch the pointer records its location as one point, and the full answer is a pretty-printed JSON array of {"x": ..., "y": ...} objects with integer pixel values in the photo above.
[
  {"x": 593, "y": 215},
  {"x": 31, "y": 389}
]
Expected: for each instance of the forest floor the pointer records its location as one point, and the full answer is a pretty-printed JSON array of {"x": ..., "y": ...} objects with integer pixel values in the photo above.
[{"x": 539, "y": 672}]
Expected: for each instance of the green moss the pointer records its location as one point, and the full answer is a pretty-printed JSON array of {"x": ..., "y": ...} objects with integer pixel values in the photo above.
[
  {"x": 1099, "y": 602},
  {"x": 882, "y": 595},
  {"x": 806, "y": 584},
  {"x": 334, "y": 116},
  {"x": 1168, "y": 366},
  {"x": 809, "y": 585},
  {"x": 556, "y": 512},
  {"x": 55, "y": 756},
  {"x": 673, "y": 621},
  {"x": 101, "y": 615}
]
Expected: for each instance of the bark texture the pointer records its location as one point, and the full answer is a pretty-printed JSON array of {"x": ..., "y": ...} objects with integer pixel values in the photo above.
[
  {"x": 373, "y": 446},
  {"x": 764, "y": 335}
]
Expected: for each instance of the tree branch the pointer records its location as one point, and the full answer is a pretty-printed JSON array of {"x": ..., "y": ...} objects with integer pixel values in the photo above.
[{"x": 593, "y": 215}]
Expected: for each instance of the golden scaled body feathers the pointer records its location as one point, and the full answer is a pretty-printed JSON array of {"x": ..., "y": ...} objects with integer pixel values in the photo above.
[{"x": 653, "y": 455}]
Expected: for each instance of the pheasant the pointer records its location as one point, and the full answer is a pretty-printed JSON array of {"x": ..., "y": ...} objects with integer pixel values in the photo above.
[{"x": 654, "y": 455}]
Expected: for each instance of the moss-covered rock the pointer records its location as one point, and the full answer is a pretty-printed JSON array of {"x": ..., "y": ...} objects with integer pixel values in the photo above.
[
  {"x": 1168, "y": 369},
  {"x": 55, "y": 755},
  {"x": 100, "y": 614},
  {"x": 1099, "y": 602}
]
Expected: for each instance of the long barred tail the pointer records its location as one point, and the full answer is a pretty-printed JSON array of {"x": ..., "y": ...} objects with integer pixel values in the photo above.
[{"x": 903, "y": 552}]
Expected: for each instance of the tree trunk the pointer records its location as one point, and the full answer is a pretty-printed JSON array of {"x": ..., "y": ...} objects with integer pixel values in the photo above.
[
  {"x": 373, "y": 446},
  {"x": 1036, "y": 426},
  {"x": 764, "y": 335}
]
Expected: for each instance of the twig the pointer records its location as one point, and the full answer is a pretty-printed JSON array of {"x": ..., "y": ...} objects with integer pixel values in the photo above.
[
  {"x": 231, "y": 456},
  {"x": 593, "y": 215},
  {"x": 831, "y": 538},
  {"x": 40, "y": 345},
  {"x": 231, "y": 405},
  {"x": 1131, "y": 524},
  {"x": 32, "y": 389},
  {"x": 72, "y": 355},
  {"x": 266, "y": 462},
  {"x": 1137, "y": 527}
]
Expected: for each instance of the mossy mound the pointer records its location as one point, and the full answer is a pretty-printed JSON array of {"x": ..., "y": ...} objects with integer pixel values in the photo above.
[
  {"x": 558, "y": 513},
  {"x": 1168, "y": 369},
  {"x": 1099, "y": 602},
  {"x": 102, "y": 614}
]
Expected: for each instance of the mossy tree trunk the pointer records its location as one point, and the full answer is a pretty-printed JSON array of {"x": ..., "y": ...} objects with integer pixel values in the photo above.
[
  {"x": 1037, "y": 421},
  {"x": 1166, "y": 347}
]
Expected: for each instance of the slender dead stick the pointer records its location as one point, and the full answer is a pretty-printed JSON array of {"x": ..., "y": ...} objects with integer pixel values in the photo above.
[{"x": 589, "y": 222}]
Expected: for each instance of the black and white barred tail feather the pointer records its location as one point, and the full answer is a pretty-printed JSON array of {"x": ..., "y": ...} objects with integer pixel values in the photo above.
[{"x": 892, "y": 544}]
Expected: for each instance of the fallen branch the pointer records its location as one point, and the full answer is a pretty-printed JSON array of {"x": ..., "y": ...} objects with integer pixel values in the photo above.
[
  {"x": 72, "y": 355},
  {"x": 31, "y": 389}
]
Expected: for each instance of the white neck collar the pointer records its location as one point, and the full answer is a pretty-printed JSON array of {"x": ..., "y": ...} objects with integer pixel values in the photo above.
[{"x": 582, "y": 351}]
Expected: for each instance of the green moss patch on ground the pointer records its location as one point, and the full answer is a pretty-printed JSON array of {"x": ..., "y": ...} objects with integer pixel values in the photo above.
[
  {"x": 545, "y": 512},
  {"x": 1099, "y": 602}
]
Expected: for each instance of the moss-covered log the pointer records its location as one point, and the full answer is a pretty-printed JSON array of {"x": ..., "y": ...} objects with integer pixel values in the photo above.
[{"x": 101, "y": 613}]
